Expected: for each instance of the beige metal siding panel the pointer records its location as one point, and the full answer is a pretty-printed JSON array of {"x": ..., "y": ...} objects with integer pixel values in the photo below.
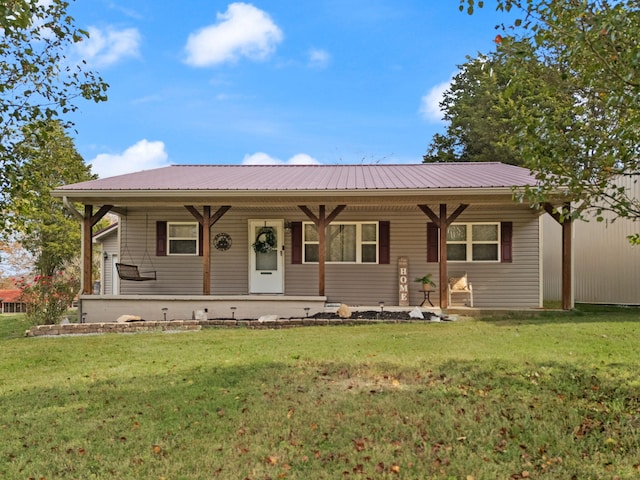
[
  {"x": 606, "y": 266},
  {"x": 552, "y": 258}
]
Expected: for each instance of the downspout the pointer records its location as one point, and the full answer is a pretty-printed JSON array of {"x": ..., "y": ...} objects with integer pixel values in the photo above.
[{"x": 71, "y": 208}]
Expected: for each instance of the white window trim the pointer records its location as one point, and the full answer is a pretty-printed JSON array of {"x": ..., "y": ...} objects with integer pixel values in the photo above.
[
  {"x": 470, "y": 243},
  {"x": 359, "y": 243},
  {"x": 170, "y": 238}
]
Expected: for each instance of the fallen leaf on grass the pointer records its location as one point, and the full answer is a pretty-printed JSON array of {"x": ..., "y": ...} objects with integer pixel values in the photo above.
[
  {"x": 271, "y": 459},
  {"x": 157, "y": 449}
]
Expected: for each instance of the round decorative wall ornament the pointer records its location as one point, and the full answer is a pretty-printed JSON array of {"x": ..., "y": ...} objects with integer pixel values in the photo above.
[{"x": 222, "y": 241}]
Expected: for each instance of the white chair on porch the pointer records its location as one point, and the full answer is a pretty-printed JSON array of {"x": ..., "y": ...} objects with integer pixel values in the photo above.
[{"x": 460, "y": 285}]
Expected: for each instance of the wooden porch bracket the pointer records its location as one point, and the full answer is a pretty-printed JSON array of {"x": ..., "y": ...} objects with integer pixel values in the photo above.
[
  {"x": 207, "y": 221},
  {"x": 443, "y": 222},
  {"x": 567, "y": 271},
  {"x": 321, "y": 222},
  {"x": 89, "y": 219}
]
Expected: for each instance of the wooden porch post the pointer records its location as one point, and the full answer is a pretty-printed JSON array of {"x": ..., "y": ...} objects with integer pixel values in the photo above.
[
  {"x": 442, "y": 241},
  {"x": 87, "y": 251},
  {"x": 207, "y": 221},
  {"x": 88, "y": 221},
  {"x": 443, "y": 222},
  {"x": 322, "y": 250},
  {"x": 321, "y": 222},
  {"x": 568, "y": 301}
]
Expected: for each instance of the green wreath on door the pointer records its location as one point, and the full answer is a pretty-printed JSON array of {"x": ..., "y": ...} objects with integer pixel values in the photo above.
[{"x": 265, "y": 240}]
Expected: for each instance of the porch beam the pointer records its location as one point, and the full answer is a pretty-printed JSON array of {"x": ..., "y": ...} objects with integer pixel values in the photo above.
[
  {"x": 443, "y": 222},
  {"x": 429, "y": 213},
  {"x": 568, "y": 300},
  {"x": 207, "y": 221},
  {"x": 456, "y": 213},
  {"x": 321, "y": 221},
  {"x": 100, "y": 213}
]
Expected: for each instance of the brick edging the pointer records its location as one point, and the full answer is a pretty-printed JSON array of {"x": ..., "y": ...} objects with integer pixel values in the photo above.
[{"x": 191, "y": 325}]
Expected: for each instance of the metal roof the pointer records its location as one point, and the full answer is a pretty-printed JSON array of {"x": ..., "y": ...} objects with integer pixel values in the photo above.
[
  {"x": 10, "y": 296},
  {"x": 274, "y": 178}
]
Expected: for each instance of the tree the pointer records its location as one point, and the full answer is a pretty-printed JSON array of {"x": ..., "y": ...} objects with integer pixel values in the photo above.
[
  {"x": 47, "y": 230},
  {"x": 586, "y": 146},
  {"x": 15, "y": 261},
  {"x": 37, "y": 82},
  {"x": 483, "y": 100}
]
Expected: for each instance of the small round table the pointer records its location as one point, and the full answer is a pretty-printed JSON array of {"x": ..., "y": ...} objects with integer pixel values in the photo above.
[{"x": 427, "y": 297}]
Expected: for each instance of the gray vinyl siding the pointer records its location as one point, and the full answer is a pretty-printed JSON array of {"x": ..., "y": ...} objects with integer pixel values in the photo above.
[
  {"x": 109, "y": 245},
  {"x": 606, "y": 265},
  {"x": 495, "y": 284}
]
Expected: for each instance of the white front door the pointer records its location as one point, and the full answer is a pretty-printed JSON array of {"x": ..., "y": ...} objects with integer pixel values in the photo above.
[{"x": 266, "y": 256}]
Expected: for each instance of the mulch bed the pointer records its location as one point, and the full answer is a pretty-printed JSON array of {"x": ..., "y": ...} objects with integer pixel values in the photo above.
[{"x": 374, "y": 315}]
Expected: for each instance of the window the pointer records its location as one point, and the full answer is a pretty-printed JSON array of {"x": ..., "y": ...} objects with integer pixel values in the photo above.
[
  {"x": 182, "y": 238},
  {"x": 353, "y": 242},
  {"x": 473, "y": 242}
]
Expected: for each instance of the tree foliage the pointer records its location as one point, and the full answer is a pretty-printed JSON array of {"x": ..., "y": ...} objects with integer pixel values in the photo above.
[
  {"x": 483, "y": 100},
  {"x": 37, "y": 82},
  {"x": 47, "y": 230},
  {"x": 584, "y": 146},
  {"x": 15, "y": 261}
]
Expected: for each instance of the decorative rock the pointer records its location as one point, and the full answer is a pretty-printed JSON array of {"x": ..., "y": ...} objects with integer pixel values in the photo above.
[
  {"x": 268, "y": 318},
  {"x": 344, "y": 311},
  {"x": 416, "y": 313},
  {"x": 128, "y": 318}
]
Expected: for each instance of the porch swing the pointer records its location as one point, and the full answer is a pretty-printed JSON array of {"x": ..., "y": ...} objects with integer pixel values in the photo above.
[{"x": 130, "y": 271}]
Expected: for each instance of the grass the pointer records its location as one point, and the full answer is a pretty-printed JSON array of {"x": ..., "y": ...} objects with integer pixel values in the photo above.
[{"x": 518, "y": 396}]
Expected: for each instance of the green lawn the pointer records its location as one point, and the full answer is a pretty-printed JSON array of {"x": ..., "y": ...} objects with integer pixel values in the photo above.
[{"x": 553, "y": 396}]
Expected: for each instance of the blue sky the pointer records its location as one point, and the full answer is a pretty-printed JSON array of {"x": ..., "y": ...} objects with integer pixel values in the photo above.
[{"x": 269, "y": 81}]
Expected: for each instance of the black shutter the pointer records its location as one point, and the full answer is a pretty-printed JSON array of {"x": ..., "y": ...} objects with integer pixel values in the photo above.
[
  {"x": 296, "y": 242},
  {"x": 432, "y": 243},
  {"x": 506, "y": 242},
  {"x": 161, "y": 239},
  {"x": 384, "y": 242}
]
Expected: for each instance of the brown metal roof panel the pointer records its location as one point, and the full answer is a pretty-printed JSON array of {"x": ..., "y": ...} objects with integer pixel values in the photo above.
[{"x": 315, "y": 177}]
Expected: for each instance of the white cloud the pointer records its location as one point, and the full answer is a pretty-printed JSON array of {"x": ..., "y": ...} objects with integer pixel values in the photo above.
[
  {"x": 430, "y": 103},
  {"x": 261, "y": 158},
  {"x": 319, "y": 58},
  {"x": 144, "y": 155},
  {"x": 105, "y": 48},
  {"x": 242, "y": 31}
]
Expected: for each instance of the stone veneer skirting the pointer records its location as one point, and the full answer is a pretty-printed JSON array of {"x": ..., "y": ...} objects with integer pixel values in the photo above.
[{"x": 189, "y": 325}]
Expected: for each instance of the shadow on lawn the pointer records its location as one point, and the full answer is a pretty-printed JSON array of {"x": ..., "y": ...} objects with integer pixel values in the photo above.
[{"x": 583, "y": 313}]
